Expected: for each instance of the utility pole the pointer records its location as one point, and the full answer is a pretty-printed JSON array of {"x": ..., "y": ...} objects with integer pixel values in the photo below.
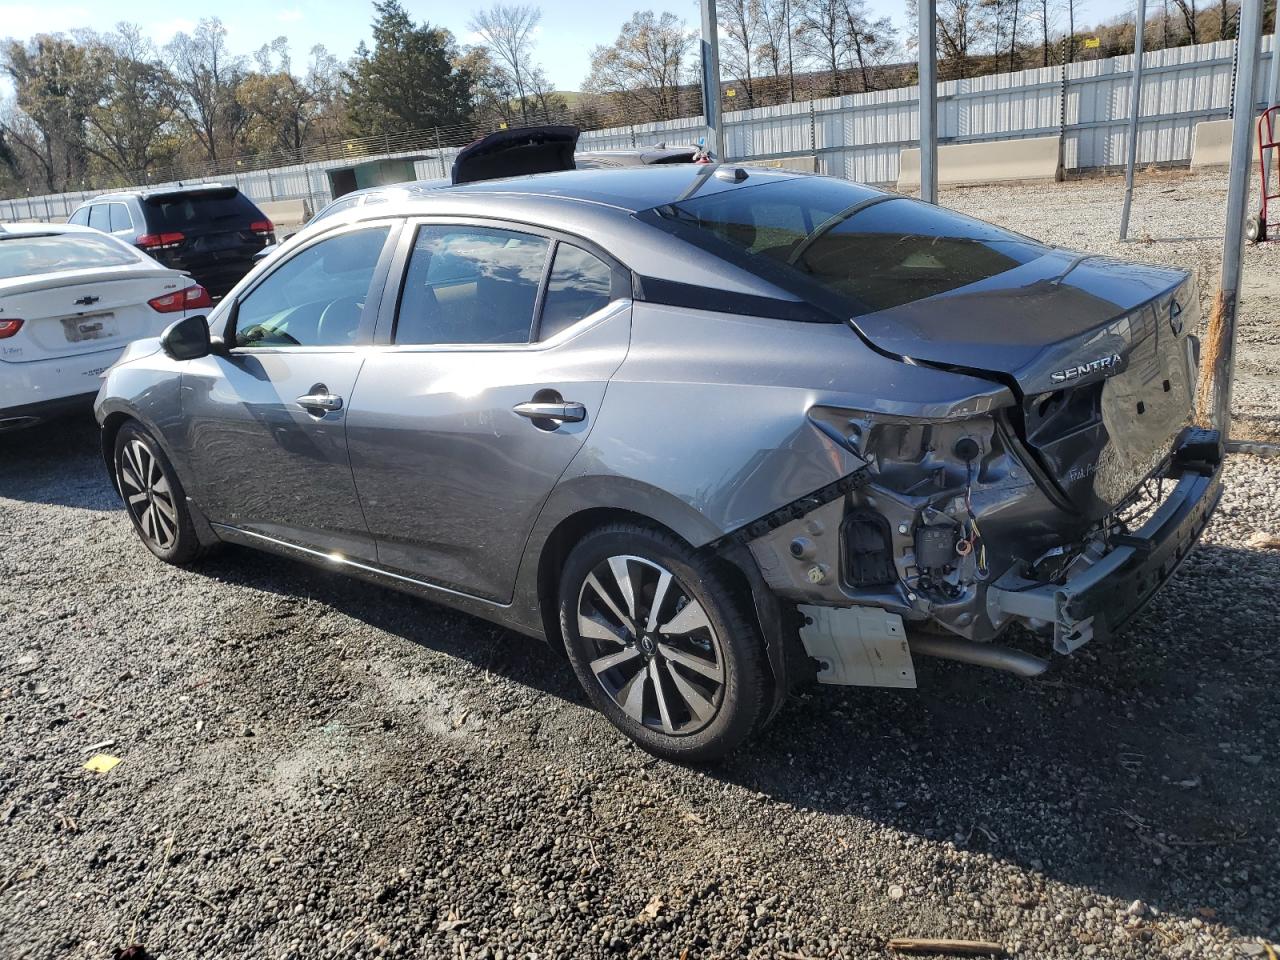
[
  {"x": 928, "y": 101},
  {"x": 1222, "y": 334},
  {"x": 711, "y": 78},
  {"x": 1135, "y": 108}
]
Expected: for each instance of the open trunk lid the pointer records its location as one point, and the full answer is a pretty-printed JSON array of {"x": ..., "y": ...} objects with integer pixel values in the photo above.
[
  {"x": 516, "y": 153},
  {"x": 1100, "y": 353}
]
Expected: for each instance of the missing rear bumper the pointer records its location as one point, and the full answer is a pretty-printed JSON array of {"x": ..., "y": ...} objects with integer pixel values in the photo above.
[{"x": 1101, "y": 598}]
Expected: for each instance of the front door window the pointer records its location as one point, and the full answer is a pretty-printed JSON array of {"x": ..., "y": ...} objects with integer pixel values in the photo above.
[{"x": 316, "y": 299}]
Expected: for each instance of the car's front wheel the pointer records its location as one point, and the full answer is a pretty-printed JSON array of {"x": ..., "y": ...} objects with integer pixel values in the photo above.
[
  {"x": 153, "y": 496},
  {"x": 662, "y": 643}
]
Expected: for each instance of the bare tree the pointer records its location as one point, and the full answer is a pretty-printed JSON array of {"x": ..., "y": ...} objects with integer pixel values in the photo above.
[
  {"x": 207, "y": 76},
  {"x": 1013, "y": 36},
  {"x": 1190, "y": 18},
  {"x": 1046, "y": 16},
  {"x": 774, "y": 47},
  {"x": 742, "y": 23},
  {"x": 1071, "y": 31},
  {"x": 492, "y": 95},
  {"x": 647, "y": 63},
  {"x": 821, "y": 33},
  {"x": 1227, "y": 22},
  {"x": 128, "y": 128},
  {"x": 508, "y": 33},
  {"x": 550, "y": 105},
  {"x": 771, "y": 51},
  {"x": 283, "y": 108},
  {"x": 869, "y": 41},
  {"x": 959, "y": 22}
]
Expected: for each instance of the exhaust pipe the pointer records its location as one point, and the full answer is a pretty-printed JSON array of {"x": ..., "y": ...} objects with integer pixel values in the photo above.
[{"x": 980, "y": 655}]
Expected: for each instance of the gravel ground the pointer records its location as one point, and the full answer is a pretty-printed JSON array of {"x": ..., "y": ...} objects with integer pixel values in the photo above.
[{"x": 312, "y": 767}]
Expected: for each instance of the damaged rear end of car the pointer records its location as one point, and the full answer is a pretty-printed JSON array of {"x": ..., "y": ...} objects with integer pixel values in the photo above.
[{"x": 1060, "y": 505}]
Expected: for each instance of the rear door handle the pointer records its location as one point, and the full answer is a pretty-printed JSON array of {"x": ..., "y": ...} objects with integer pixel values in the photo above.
[
  {"x": 319, "y": 401},
  {"x": 564, "y": 411}
]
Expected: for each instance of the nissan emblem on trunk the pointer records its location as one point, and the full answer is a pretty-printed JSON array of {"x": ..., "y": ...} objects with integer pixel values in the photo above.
[{"x": 87, "y": 301}]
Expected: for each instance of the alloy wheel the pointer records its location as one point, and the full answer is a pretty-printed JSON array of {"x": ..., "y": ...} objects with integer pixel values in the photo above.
[
  {"x": 655, "y": 652},
  {"x": 149, "y": 495}
]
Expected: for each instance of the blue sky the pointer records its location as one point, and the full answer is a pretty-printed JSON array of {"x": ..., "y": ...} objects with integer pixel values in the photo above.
[{"x": 570, "y": 28}]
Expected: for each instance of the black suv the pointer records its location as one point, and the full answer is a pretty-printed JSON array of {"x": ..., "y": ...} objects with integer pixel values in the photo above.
[{"x": 209, "y": 231}]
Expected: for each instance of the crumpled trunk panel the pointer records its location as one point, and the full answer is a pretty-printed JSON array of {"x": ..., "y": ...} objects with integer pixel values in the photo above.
[{"x": 1099, "y": 351}]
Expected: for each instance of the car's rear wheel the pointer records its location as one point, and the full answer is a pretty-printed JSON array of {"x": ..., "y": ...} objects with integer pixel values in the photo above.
[
  {"x": 153, "y": 496},
  {"x": 661, "y": 642}
]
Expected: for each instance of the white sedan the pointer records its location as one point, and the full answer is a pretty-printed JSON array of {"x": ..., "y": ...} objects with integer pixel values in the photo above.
[{"x": 71, "y": 299}]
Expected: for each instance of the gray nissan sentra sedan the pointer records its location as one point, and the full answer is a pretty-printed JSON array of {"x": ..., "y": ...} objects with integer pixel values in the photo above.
[{"x": 713, "y": 431}]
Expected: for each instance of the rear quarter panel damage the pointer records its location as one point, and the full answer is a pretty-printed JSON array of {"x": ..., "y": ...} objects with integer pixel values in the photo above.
[{"x": 705, "y": 425}]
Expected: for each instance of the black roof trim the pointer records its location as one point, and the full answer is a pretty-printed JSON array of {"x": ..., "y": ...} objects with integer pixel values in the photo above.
[{"x": 675, "y": 294}]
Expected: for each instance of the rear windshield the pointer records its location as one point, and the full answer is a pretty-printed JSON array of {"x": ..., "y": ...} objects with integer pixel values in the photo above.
[
  {"x": 846, "y": 247},
  {"x": 28, "y": 256},
  {"x": 207, "y": 209}
]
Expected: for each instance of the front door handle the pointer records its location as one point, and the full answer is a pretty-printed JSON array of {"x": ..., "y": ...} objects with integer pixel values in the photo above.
[
  {"x": 319, "y": 401},
  {"x": 563, "y": 411}
]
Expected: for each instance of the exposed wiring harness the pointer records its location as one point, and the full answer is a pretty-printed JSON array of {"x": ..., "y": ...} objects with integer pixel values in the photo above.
[{"x": 970, "y": 536}]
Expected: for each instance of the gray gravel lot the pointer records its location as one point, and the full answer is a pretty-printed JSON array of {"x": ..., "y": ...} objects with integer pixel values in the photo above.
[{"x": 313, "y": 767}]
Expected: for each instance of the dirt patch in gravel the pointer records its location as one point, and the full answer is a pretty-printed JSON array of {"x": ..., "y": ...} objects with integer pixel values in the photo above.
[{"x": 312, "y": 767}]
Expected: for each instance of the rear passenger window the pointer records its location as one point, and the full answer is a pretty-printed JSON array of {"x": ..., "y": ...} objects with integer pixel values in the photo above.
[
  {"x": 99, "y": 217},
  {"x": 80, "y": 217},
  {"x": 470, "y": 285},
  {"x": 120, "y": 219},
  {"x": 579, "y": 286}
]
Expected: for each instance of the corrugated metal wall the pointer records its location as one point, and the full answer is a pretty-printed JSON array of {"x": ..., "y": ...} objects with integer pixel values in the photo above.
[{"x": 860, "y": 136}]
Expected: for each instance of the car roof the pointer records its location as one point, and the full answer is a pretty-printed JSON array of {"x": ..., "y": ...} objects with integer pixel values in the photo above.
[
  {"x": 43, "y": 229},
  {"x": 560, "y": 199},
  {"x": 597, "y": 205},
  {"x": 142, "y": 193},
  {"x": 629, "y": 189}
]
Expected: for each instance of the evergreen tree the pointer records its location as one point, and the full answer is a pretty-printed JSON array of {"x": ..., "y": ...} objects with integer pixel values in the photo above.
[{"x": 408, "y": 80}]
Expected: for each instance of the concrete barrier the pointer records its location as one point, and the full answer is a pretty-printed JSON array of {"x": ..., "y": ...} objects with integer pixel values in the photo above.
[
  {"x": 287, "y": 215},
  {"x": 1211, "y": 144},
  {"x": 1034, "y": 159}
]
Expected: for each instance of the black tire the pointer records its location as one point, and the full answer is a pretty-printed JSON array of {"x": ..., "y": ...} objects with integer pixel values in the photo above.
[
  {"x": 702, "y": 690},
  {"x": 153, "y": 497},
  {"x": 1255, "y": 230}
]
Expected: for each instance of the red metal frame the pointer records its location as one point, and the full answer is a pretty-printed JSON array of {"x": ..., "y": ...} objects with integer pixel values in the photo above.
[{"x": 1267, "y": 119}]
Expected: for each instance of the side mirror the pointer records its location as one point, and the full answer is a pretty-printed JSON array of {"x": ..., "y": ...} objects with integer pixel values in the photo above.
[{"x": 187, "y": 339}]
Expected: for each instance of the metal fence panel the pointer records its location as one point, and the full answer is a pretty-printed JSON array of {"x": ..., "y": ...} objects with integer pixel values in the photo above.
[{"x": 860, "y": 136}]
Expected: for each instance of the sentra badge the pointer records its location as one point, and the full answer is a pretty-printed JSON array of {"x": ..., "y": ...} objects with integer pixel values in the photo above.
[{"x": 1084, "y": 369}]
